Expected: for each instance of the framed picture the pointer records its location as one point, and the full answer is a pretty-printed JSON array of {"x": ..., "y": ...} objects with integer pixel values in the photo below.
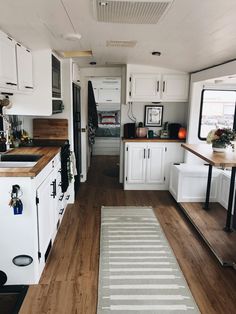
[{"x": 153, "y": 116}]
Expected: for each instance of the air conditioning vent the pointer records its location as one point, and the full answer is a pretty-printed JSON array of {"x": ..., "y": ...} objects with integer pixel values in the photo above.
[
  {"x": 131, "y": 11},
  {"x": 121, "y": 43}
]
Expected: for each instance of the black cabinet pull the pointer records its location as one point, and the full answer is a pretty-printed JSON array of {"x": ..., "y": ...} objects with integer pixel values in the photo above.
[
  {"x": 68, "y": 196},
  {"x": 54, "y": 192},
  {"x": 158, "y": 85},
  {"x": 144, "y": 153},
  {"x": 164, "y": 86},
  {"x": 148, "y": 153},
  {"x": 61, "y": 211},
  {"x": 29, "y": 87},
  {"x": 61, "y": 197},
  {"x": 9, "y": 83}
]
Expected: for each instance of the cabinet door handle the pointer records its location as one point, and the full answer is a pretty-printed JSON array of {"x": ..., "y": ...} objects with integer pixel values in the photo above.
[
  {"x": 61, "y": 211},
  {"x": 144, "y": 153},
  {"x": 9, "y": 83},
  {"x": 29, "y": 87},
  {"x": 53, "y": 184},
  {"x": 164, "y": 86},
  {"x": 158, "y": 85},
  {"x": 148, "y": 153},
  {"x": 61, "y": 197},
  {"x": 108, "y": 99},
  {"x": 68, "y": 196}
]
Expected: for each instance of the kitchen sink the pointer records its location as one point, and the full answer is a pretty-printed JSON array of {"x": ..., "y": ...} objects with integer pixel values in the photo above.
[
  {"x": 20, "y": 158},
  {"x": 17, "y": 164}
]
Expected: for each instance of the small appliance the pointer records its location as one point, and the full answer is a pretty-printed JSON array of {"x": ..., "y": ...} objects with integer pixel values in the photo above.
[
  {"x": 129, "y": 130},
  {"x": 174, "y": 130}
]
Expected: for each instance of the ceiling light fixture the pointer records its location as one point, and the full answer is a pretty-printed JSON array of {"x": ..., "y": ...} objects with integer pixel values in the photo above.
[
  {"x": 72, "y": 36},
  {"x": 156, "y": 53}
]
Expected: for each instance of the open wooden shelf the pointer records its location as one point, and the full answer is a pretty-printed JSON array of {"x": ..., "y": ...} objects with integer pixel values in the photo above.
[{"x": 210, "y": 224}]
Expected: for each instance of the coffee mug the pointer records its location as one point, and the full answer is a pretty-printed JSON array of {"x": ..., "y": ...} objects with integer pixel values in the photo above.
[{"x": 150, "y": 134}]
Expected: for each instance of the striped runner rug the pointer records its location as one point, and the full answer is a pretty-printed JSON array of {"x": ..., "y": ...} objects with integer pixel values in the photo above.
[{"x": 138, "y": 272}]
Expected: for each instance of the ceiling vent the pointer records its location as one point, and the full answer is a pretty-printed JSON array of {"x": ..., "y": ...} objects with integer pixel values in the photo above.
[
  {"x": 121, "y": 43},
  {"x": 131, "y": 11}
]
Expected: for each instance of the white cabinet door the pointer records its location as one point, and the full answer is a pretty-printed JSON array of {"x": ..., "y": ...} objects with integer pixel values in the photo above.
[
  {"x": 8, "y": 76},
  {"x": 145, "y": 87},
  {"x": 155, "y": 163},
  {"x": 136, "y": 156},
  {"x": 24, "y": 68},
  {"x": 45, "y": 214},
  {"x": 175, "y": 87},
  {"x": 109, "y": 95}
]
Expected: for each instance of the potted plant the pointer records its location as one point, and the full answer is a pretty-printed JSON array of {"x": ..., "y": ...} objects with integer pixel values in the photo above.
[{"x": 220, "y": 139}]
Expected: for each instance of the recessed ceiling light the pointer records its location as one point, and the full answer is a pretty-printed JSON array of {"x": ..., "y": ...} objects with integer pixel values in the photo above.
[{"x": 156, "y": 53}]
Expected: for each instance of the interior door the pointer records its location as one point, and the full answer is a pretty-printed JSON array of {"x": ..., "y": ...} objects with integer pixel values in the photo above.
[{"x": 77, "y": 133}]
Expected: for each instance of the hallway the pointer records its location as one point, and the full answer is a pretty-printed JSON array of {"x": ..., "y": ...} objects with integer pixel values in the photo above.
[{"x": 69, "y": 281}]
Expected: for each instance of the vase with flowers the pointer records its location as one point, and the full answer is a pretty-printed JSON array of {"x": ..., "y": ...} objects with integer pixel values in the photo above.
[{"x": 220, "y": 139}]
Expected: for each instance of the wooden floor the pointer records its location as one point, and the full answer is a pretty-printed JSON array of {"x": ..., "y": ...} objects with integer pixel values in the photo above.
[
  {"x": 210, "y": 224},
  {"x": 69, "y": 282}
]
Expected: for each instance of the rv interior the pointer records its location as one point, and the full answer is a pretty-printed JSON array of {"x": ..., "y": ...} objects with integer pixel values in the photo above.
[{"x": 120, "y": 107}]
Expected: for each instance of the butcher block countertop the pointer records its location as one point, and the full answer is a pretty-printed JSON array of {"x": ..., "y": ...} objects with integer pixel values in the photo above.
[
  {"x": 161, "y": 140},
  {"x": 48, "y": 154}
]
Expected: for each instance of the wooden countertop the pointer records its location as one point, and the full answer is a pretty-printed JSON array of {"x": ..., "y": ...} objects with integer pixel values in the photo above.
[
  {"x": 48, "y": 154},
  {"x": 141, "y": 139},
  {"x": 205, "y": 152}
]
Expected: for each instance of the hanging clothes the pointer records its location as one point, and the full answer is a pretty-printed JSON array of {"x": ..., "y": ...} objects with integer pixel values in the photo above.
[{"x": 92, "y": 114}]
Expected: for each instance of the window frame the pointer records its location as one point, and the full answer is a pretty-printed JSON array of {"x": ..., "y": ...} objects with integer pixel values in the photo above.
[{"x": 201, "y": 105}]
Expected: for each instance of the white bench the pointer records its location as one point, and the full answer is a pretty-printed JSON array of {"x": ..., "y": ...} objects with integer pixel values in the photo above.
[{"x": 188, "y": 183}]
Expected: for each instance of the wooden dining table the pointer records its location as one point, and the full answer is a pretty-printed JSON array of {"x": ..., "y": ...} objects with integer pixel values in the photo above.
[{"x": 226, "y": 159}]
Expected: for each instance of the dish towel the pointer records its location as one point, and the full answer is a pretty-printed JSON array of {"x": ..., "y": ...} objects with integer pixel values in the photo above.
[{"x": 73, "y": 164}]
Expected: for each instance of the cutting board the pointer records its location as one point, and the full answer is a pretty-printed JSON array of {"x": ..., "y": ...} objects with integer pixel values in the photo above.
[{"x": 53, "y": 129}]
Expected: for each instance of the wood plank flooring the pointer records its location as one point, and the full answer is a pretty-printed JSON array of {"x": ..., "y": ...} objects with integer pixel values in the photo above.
[
  {"x": 69, "y": 282},
  {"x": 210, "y": 224}
]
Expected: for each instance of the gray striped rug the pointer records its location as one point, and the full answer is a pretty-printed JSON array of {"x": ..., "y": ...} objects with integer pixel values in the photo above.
[{"x": 138, "y": 271}]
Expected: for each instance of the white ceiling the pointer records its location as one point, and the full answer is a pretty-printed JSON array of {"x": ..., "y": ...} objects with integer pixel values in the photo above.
[{"x": 194, "y": 34}]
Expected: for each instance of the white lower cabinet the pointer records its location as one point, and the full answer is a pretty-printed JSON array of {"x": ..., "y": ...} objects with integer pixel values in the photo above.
[
  {"x": 147, "y": 164},
  {"x": 33, "y": 232}
]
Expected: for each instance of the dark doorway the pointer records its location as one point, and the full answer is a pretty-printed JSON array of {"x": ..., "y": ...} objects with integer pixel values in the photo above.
[{"x": 77, "y": 133}]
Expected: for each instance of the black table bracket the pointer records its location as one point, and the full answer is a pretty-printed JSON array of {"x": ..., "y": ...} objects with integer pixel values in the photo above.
[
  {"x": 208, "y": 191},
  {"x": 227, "y": 227}
]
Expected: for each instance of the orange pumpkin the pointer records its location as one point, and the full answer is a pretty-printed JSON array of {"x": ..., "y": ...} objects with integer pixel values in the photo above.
[{"x": 182, "y": 133}]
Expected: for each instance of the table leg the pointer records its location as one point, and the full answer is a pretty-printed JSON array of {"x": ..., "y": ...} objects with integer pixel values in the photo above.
[
  {"x": 227, "y": 227},
  {"x": 206, "y": 205}
]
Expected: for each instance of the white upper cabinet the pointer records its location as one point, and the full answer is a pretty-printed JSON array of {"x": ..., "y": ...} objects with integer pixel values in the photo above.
[
  {"x": 109, "y": 95},
  {"x": 24, "y": 68},
  {"x": 107, "y": 90},
  {"x": 145, "y": 87},
  {"x": 8, "y": 75},
  {"x": 175, "y": 87},
  {"x": 156, "y": 87}
]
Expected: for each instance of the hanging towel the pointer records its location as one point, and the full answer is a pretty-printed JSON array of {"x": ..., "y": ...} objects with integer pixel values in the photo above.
[
  {"x": 92, "y": 114},
  {"x": 73, "y": 164}
]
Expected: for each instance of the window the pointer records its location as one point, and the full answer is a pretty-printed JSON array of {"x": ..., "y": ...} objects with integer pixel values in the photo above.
[{"x": 217, "y": 111}]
